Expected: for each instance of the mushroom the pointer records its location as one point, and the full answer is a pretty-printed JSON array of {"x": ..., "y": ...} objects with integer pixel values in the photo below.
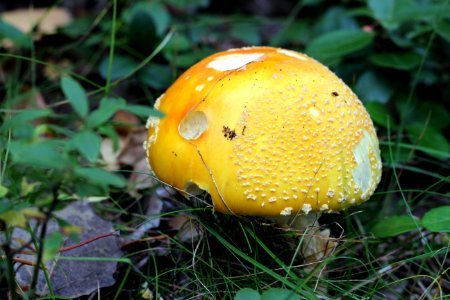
[{"x": 266, "y": 132}]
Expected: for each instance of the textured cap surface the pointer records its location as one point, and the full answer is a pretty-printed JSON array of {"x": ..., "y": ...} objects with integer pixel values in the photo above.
[{"x": 266, "y": 132}]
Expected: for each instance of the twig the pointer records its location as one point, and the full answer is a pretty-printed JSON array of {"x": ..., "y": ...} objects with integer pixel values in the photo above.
[{"x": 88, "y": 241}]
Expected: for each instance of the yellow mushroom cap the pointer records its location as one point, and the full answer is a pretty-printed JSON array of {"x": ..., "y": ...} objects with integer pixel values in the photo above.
[{"x": 266, "y": 132}]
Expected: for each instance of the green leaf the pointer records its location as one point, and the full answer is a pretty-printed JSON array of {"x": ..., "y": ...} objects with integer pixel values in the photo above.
[
  {"x": 3, "y": 191},
  {"x": 380, "y": 114},
  {"x": 76, "y": 95},
  {"x": 373, "y": 88},
  {"x": 143, "y": 111},
  {"x": 155, "y": 11},
  {"x": 338, "y": 43},
  {"x": 392, "y": 13},
  {"x": 399, "y": 61},
  {"x": 247, "y": 294},
  {"x": 279, "y": 294},
  {"x": 52, "y": 244},
  {"x": 20, "y": 216},
  {"x": 20, "y": 39},
  {"x": 393, "y": 226},
  {"x": 443, "y": 29},
  {"x": 108, "y": 107},
  {"x": 121, "y": 66},
  {"x": 428, "y": 137},
  {"x": 248, "y": 32},
  {"x": 437, "y": 219},
  {"x": 156, "y": 76},
  {"x": 336, "y": 17},
  {"x": 100, "y": 177},
  {"x": 42, "y": 154},
  {"x": 87, "y": 143},
  {"x": 23, "y": 117}
]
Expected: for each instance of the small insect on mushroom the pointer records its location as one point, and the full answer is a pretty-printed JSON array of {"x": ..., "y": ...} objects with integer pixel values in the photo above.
[{"x": 304, "y": 137}]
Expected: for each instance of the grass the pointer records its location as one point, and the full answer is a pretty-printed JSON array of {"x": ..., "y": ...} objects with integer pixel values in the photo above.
[{"x": 225, "y": 254}]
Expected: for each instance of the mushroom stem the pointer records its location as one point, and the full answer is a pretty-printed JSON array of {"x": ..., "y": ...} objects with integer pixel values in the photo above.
[{"x": 316, "y": 244}]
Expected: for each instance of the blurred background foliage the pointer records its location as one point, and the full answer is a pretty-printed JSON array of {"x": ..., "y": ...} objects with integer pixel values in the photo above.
[{"x": 61, "y": 90}]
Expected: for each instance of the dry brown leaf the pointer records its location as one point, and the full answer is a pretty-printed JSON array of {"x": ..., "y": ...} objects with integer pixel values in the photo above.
[
  {"x": 188, "y": 230},
  {"x": 53, "y": 71},
  {"x": 47, "y": 20},
  {"x": 130, "y": 151}
]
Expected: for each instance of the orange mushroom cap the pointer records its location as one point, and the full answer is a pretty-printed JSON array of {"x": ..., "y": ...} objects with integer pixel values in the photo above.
[{"x": 267, "y": 132}]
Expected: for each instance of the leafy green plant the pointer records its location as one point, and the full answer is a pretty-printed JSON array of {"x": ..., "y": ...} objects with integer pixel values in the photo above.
[{"x": 435, "y": 220}]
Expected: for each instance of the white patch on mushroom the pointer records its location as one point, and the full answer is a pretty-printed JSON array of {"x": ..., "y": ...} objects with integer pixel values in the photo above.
[
  {"x": 152, "y": 122},
  {"x": 199, "y": 87},
  {"x": 314, "y": 112},
  {"x": 324, "y": 207},
  {"x": 158, "y": 101},
  {"x": 233, "y": 61},
  {"x": 210, "y": 78},
  {"x": 193, "y": 125},
  {"x": 330, "y": 193},
  {"x": 292, "y": 54},
  {"x": 287, "y": 211},
  {"x": 306, "y": 208},
  {"x": 362, "y": 174}
]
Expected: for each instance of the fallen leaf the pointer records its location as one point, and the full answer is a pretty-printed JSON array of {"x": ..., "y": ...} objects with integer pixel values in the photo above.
[
  {"x": 188, "y": 229},
  {"x": 71, "y": 277},
  {"x": 47, "y": 20},
  {"x": 130, "y": 152},
  {"x": 317, "y": 245}
]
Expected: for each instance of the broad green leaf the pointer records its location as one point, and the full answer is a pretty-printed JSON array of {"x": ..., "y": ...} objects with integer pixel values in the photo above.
[
  {"x": 78, "y": 27},
  {"x": 179, "y": 42},
  {"x": 247, "y": 294},
  {"x": 399, "y": 61},
  {"x": 157, "y": 13},
  {"x": 336, "y": 17},
  {"x": 433, "y": 113},
  {"x": 27, "y": 187},
  {"x": 380, "y": 114},
  {"x": 142, "y": 34},
  {"x": 143, "y": 111},
  {"x": 3, "y": 191},
  {"x": 76, "y": 95},
  {"x": 156, "y": 76},
  {"x": 248, "y": 32},
  {"x": 42, "y": 154},
  {"x": 437, "y": 219},
  {"x": 338, "y": 43},
  {"x": 87, "y": 143},
  {"x": 428, "y": 137},
  {"x": 443, "y": 29},
  {"x": 108, "y": 107},
  {"x": 392, "y": 13},
  {"x": 20, "y": 216},
  {"x": 52, "y": 244},
  {"x": 279, "y": 294},
  {"x": 14, "y": 218},
  {"x": 100, "y": 177},
  {"x": 121, "y": 66},
  {"x": 386, "y": 11},
  {"x": 371, "y": 87},
  {"x": 23, "y": 117},
  {"x": 8, "y": 31},
  {"x": 393, "y": 226}
]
